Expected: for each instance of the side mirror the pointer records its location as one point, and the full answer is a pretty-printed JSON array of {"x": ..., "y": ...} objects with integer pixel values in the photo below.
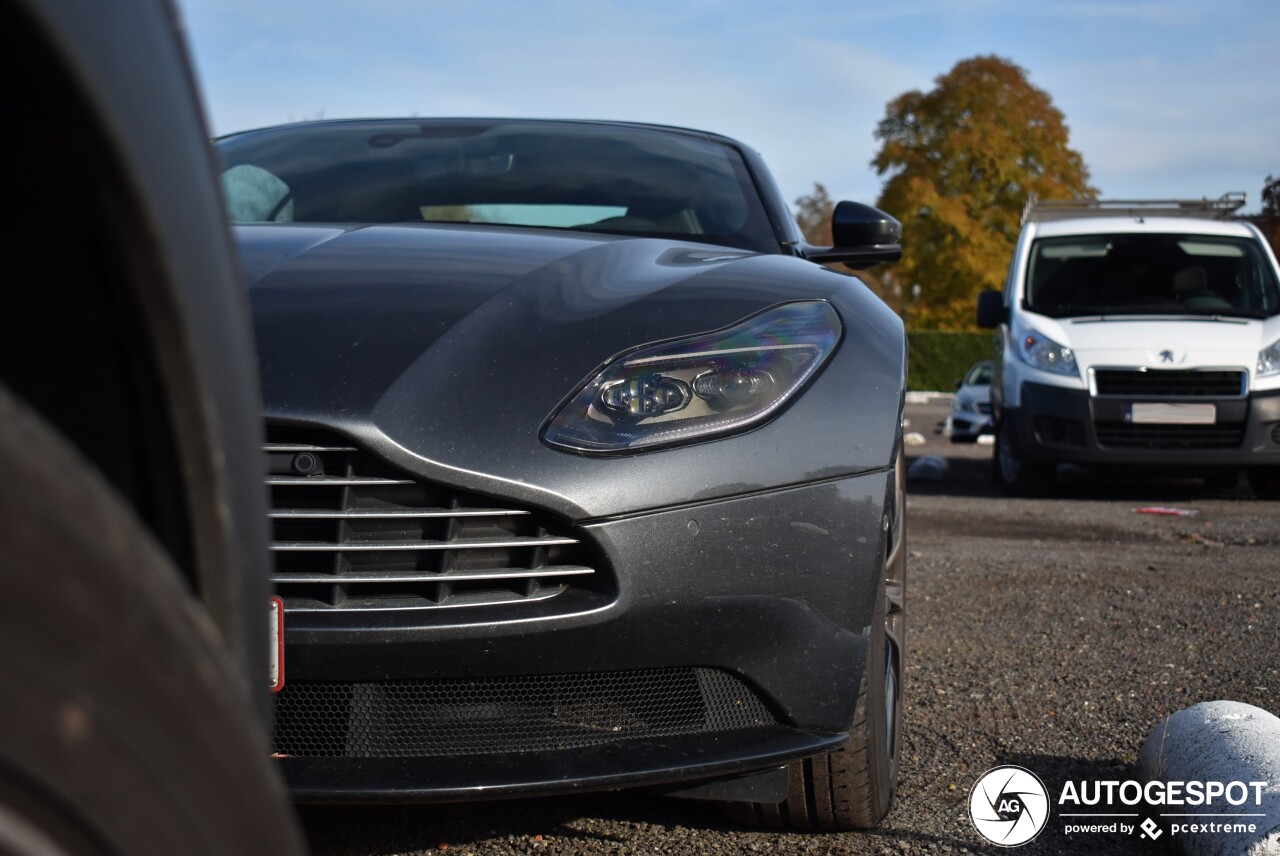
[
  {"x": 862, "y": 237},
  {"x": 990, "y": 308}
]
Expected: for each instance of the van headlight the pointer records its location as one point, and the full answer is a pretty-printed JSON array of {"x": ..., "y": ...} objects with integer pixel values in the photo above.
[
  {"x": 1041, "y": 352},
  {"x": 1269, "y": 360}
]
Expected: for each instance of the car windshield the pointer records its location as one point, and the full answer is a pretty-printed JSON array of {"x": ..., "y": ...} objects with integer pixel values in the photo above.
[
  {"x": 979, "y": 375},
  {"x": 584, "y": 177},
  {"x": 1160, "y": 274}
]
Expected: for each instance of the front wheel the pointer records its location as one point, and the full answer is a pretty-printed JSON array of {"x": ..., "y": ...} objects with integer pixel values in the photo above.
[
  {"x": 1265, "y": 482},
  {"x": 125, "y": 727},
  {"x": 1012, "y": 474},
  {"x": 853, "y": 787}
]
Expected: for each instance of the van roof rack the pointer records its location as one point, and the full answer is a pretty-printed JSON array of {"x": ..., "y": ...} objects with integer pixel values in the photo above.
[{"x": 1041, "y": 210}]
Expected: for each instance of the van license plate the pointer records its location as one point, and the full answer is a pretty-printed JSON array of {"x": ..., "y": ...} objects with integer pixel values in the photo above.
[
  {"x": 277, "y": 645},
  {"x": 1172, "y": 414}
]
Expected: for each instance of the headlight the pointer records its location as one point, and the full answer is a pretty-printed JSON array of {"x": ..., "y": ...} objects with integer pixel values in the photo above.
[
  {"x": 1042, "y": 352},
  {"x": 1269, "y": 360},
  {"x": 965, "y": 405},
  {"x": 699, "y": 387}
]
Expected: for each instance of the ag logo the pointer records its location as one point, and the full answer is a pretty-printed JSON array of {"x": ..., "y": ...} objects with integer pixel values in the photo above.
[{"x": 1009, "y": 806}]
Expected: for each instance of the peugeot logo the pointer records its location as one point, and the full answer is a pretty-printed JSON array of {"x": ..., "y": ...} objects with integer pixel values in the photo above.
[{"x": 1166, "y": 356}]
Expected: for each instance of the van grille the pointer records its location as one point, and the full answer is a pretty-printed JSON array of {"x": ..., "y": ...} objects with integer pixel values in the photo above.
[
  {"x": 1171, "y": 383},
  {"x": 1129, "y": 436},
  {"x": 352, "y": 532}
]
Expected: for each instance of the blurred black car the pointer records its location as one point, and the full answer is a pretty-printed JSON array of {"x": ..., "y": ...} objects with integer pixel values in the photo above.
[
  {"x": 584, "y": 474},
  {"x": 135, "y": 563}
]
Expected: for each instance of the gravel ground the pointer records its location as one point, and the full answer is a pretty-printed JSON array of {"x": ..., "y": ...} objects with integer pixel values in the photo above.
[{"x": 1051, "y": 633}]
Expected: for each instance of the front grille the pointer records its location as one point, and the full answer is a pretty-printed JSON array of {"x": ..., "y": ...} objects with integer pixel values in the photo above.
[
  {"x": 1170, "y": 383},
  {"x": 352, "y": 532},
  {"x": 532, "y": 713},
  {"x": 1129, "y": 436}
]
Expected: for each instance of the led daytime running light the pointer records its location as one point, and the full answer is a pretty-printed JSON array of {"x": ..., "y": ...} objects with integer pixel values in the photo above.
[{"x": 699, "y": 387}]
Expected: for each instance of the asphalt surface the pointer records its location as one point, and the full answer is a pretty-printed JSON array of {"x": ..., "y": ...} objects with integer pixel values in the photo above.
[{"x": 1051, "y": 633}]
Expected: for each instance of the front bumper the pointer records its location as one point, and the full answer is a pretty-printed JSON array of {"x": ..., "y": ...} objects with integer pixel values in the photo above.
[
  {"x": 1070, "y": 426},
  {"x": 774, "y": 589},
  {"x": 968, "y": 426}
]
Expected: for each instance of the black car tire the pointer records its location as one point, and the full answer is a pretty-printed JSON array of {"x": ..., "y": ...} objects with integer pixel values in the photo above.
[
  {"x": 1012, "y": 474},
  {"x": 853, "y": 787},
  {"x": 1265, "y": 482},
  {"x": 124, "y": 726}
]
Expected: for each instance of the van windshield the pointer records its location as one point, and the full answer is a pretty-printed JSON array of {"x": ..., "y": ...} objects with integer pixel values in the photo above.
[{"x": 1163, "y": 274}]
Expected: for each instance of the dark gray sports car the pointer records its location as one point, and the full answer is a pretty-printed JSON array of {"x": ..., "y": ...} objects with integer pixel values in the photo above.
[{"x": 584, "y": 473}]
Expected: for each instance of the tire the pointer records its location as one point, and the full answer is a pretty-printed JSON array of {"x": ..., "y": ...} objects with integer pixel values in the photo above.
[
  {"x": 853, "y": 787},
  {"x": 1013, "y": 475},
  {"x": 125, "y": 727},
  {"x": 1265, "y": 482}
]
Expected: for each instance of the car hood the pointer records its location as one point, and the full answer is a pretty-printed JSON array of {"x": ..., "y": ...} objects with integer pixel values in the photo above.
[{"x": 445, "y": 348}]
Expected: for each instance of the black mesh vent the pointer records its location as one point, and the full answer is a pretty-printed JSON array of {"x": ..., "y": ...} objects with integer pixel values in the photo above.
[
  {"x": 1275, "y": 433},
  {"x": 1170, "y": 383},
  {"x": 532, "y": 713},
  {"x": 350, "y": 531},
  {"x": 1129, "y": 436}
]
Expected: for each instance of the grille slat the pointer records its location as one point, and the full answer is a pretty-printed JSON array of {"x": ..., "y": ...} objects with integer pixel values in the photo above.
[
  {"x": 413, "y": 546},
  {"x": 528, "y": 713},
  {"x": 446, "y": 576},
  {"x": 386, "y": 513},
  {"x": 352, "y": 532},
  {"x": 332, "y": 481}
]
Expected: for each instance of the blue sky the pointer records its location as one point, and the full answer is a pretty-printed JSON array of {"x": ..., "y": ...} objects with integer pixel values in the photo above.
[{"x": 1167, "y": 98}]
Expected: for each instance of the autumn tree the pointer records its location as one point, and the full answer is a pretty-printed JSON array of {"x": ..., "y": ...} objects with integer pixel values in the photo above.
[
  {"x": 960, "y": 161},
  {"x": 813, "y": 214},
  {"x": 1270, "y": 197}
]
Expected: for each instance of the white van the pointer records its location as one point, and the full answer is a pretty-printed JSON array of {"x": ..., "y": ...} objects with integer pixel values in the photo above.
[{"x": 1137, "y": 334}]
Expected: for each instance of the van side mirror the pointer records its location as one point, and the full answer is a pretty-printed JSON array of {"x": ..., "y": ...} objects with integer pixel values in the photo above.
[
  {"x": 861, "y": 236},
  {"x": 991, "y": 308}
]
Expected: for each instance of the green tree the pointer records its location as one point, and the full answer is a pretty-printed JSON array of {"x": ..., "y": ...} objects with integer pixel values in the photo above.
[{"x": 961, "y": 160}]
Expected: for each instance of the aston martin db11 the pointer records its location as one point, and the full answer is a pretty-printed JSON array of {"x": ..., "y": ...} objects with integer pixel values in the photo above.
[{"x": 585, "y": 468}]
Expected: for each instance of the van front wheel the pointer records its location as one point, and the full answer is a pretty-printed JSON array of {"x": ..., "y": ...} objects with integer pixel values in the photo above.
[
  {"x": 1265, "y": 482},
  {"x": 1013, "y": 475}
]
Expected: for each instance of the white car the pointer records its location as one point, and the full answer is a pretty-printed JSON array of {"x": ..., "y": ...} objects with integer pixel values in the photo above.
[
  {"x": 971, "y": 408},
  {"x": 1137, "y": 333}
]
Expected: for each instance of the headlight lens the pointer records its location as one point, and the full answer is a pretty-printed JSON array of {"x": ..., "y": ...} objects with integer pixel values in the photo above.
[
  {"x": 1042, "y": 352},
  {"x": 1269, "y": 360},
  {"x": 699, "y": 387}
]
